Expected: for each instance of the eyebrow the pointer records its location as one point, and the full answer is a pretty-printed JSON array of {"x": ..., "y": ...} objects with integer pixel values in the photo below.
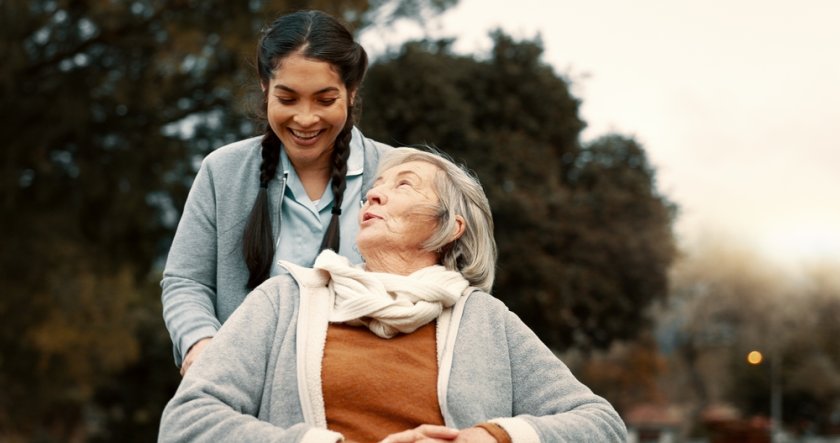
[
  {"x": 320, "y": 91},
  {"x": 404, "y": 173},
  {"x": 400, "y": 174}
]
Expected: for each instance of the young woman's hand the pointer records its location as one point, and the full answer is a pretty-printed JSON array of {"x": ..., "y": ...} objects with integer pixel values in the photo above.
[{"x": 192, "y": 354}]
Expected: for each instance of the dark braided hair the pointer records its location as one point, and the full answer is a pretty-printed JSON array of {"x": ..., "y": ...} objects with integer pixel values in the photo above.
[
  {"x": 318, "y": 36},
  {"x": 340, "y": 154}
]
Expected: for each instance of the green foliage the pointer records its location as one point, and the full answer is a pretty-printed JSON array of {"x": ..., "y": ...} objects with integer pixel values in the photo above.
[{"x": 584, "y": 237}]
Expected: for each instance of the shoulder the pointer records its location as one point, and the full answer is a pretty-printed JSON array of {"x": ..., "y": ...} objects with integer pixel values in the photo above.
[
  {"x": 279, "y": 293},
  {"x": 369, "y": 145},
  {"x": 484, "y": 302},
  {"x": 484, "y": 309},
  {"x": 234, "y": 154},
  {"x": 229, "y": 167},
  {"x": 279, "y": 286}
]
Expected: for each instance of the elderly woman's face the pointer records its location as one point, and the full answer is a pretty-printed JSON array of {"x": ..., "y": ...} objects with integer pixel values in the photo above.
[{"x": 400, "y": 213}]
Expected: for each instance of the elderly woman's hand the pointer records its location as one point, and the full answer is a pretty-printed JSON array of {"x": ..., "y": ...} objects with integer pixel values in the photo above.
[
  {"x": 424, "y": 434},
  {"x": 440, "y": 434}
]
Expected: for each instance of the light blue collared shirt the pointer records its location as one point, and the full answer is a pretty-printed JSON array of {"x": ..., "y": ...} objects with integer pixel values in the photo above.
[{"x": 303, "y": 222}]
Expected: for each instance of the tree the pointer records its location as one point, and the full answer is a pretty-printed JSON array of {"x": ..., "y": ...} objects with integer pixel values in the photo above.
[
  {"x": 628, "y": 374},
  {"x": 107, "y": 107},
  {"x": 584, "y": 237}
]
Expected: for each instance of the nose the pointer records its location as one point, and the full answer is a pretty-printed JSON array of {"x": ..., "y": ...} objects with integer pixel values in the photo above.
[
  {"x": 375, "y": 196},
  {"x": 305, "y": 116}
]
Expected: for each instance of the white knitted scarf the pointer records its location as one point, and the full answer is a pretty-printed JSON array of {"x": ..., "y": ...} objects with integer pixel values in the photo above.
[{"x": 388, "y": 303}]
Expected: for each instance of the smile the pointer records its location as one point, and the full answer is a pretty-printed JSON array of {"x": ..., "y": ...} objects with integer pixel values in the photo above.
[{"x": 305, "y": 134}]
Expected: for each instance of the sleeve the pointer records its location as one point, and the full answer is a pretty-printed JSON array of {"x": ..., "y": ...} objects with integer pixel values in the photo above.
[
  {"x": 496, "y": 431},
  {"x": 220, "y": 397},
  {"x": 549, "y": 403},
  {"x": 189, "y": 278}
]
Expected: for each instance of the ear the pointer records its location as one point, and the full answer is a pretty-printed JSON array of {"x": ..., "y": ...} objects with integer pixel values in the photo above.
[
  {"x": 460, "y": 226},
  {"x": 352, "y": 97}
]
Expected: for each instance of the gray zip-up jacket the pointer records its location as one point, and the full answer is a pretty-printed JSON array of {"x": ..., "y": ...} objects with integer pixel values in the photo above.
[
  {"x": 259, "y": 379},
  {"x": 205, "y": 275}
]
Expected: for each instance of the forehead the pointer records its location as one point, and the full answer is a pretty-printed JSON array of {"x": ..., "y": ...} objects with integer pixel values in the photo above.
[
  {"x": 302, "y": 71},
  {"x": 424, "y": 170}
]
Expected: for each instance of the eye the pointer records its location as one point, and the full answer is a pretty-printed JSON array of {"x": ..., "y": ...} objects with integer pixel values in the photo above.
[
  {"x": 285, "y": 100},
  {"x": 404, "y": 183},
  {"x": 327, "y": 101}
]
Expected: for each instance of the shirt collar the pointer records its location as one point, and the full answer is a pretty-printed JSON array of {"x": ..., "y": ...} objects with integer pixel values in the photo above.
[{"x": 355, "y": 163}]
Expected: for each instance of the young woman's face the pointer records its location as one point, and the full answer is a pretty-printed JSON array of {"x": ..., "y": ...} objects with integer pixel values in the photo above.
[
  {"x": 307, "y": 108},
  {"x": 400, "y": 214}
]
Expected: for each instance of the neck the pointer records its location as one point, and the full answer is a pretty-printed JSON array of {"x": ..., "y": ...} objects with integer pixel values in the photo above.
[
  {"x": 400, "y": 263},
  {"x": 314, "y": 178}
]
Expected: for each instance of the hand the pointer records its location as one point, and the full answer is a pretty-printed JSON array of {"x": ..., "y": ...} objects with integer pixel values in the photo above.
[
  {"x": 192, "y": 354},
  {"x": 474, "y": 435},
  {"x": 424, "y": 434}
]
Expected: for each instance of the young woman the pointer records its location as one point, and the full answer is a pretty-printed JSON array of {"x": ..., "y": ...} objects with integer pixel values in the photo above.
[{"x": 288, "y": 194}]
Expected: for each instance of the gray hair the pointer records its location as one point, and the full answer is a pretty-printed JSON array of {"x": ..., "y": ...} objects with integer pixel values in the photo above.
[{"x": 459, "y": 193}]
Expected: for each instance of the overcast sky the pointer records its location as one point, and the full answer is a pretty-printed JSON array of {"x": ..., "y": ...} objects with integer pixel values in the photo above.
[{"x": 736, "y": 102}]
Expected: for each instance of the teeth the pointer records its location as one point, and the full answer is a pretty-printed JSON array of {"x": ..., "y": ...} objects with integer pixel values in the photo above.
[{"x": 304, "y": 134}]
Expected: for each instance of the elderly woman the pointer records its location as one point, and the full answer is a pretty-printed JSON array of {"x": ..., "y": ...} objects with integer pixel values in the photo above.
[{"x": 408, "y": 347}]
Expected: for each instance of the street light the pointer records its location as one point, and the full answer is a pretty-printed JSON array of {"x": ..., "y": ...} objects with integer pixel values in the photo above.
[{"x": 756, "y": 358}]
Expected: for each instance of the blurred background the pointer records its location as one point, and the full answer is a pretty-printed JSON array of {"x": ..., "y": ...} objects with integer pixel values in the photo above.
[{"x": 663, "y": 178}]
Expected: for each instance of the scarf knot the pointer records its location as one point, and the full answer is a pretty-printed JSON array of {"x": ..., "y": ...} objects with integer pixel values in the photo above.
[{"x": 389, "y": 304}]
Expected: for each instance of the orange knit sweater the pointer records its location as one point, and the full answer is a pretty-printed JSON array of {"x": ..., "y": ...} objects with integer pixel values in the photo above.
[{"x": 374, "y": 387}]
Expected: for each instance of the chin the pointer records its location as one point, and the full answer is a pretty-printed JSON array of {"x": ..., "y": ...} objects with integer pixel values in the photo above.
[{"x": 372, "y": 244}]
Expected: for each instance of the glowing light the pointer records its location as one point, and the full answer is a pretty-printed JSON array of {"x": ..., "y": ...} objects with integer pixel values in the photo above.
[{"x": 754, "y": 358}]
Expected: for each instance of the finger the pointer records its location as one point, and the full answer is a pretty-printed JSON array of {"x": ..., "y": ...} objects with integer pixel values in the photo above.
[
  {"x": 423, "y": 433},
  {"x": 435, "y": 431},
  {"x": 411, "y": 436},
  {"x": 184, "y": 367},
  {"x": 401, "y": 437}
]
